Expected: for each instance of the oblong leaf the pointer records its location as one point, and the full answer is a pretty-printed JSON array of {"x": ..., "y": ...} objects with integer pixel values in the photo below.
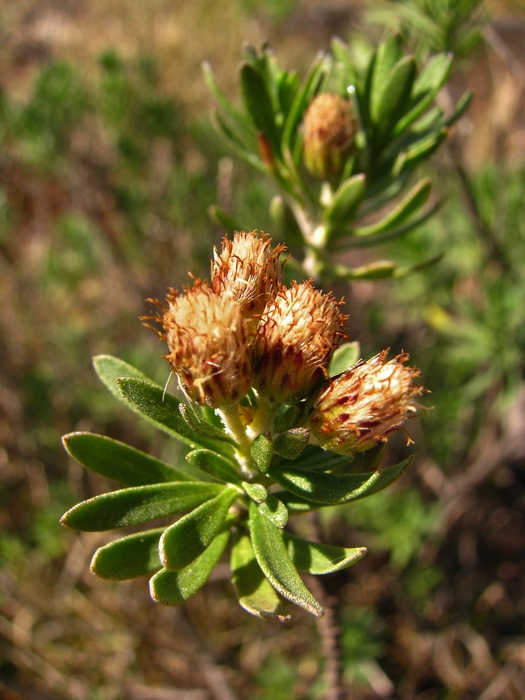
[
  {"x": 163, "y": 411},
  {"x": 223, "y": 220},
  {"x": 333, "y": 489},
  {"x": 272, "y": 557},
  {"x": 187, "y": 539},
  {"x": 214, "y": 465},
  {"x": 118, "y": 461},
  {"x": 254, "y": 592},
  {"x": 176, "y": 587},
  {"x": 138, "y": 504},
  {"x": 129, "y": 557},
  {"x": 318, "y": 559}
]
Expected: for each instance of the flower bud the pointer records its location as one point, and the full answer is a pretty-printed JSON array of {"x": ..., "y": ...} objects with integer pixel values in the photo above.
[
  {"x": 208, "y": 346},
  {"x": 329, "y": 134},
  {"x": 363, "y": 405},
  {"x": 296, "y": 337},
  {"x": 247, "y": 270}
]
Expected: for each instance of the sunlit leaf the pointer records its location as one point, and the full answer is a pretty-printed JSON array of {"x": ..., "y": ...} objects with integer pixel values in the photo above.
[
  {"x": 187, "y": 539},
  {"x": 315, "y": 558},
  {"x": 138, "y": 504},
  {"x": 129, "y": 557},
  {"x": 343, "y": 358},
  {"x": 118, "y": 461},
  {"x": 176, "y": 587},
  {"x": 253, "y": 590},
  {"x": 272, "y": 557}
]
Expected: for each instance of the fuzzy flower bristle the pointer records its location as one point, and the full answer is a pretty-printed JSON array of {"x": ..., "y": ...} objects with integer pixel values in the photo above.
[
  {"x": 247, "y": 270},
  {"x": 296, "y": 337},
  {"x": 207, "y": 337},
  {"x": 363, "y": 405}
]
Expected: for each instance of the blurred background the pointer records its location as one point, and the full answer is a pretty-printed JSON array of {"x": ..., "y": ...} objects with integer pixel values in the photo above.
[{"x": 108, "y": 164}]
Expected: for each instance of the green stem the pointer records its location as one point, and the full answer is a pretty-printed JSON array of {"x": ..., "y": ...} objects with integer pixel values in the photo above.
[{"x": 236, "y": 428}]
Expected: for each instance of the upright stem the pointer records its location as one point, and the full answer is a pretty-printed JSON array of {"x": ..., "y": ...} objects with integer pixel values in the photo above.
[{"x": 236, "y": 428}]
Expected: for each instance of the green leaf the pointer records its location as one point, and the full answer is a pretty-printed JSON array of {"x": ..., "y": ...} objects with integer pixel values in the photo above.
[
  {"x": 291, "y": 443},
  {"x": 259, "y": 105},
  {"x": 315, "y": 558},
  {"x": 237, "y": 119},
  {"x": 254, "y": 592},
  {"x": 129, "y": 557},
  {"x": 109, "y": 369},
  {"x": 345, "y": 202},
  {"x": 272, "y": 557},
  {"x": 214, "y": 465},
  {"x": 163, "y": 411},
  {"x": 202, "y": 426},
  {"x": 274, "y": 510},
  {"x": 388, "y": 54},
  {"x": 302, "y": 99},
  {"x": 176, "y": 587},
  {"x": 118, "y": 461},
  {"x": 426, "y": 86},
  {"x": 223, "y": 220},
  {"x": 413, "y": 201},
  {"x": 379, "y": 270},
  {"x": 340, "y": 52},
  {"x": 257, "y": 492},
  {"x": 333, "y": 489},
  {"x": 187, "y": 539},
  {"x": 419, "y": 151},
  {"x": 138, "y": 504},
  {"x": 459, "y": 110},
  {"x": 262, "y": 452},
  {"x": 390, "y": 101},
  {"x": 343, "y": 358}
]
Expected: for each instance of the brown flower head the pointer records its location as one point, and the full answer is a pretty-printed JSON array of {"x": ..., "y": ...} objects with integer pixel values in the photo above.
[
  {"x": 208, "y": 345},
  {"x": 296, "y": 337},
  {"x": 363, "y": 405},
  {"x": 247, "y": 270},
  {"x": 329, "y": 134}
]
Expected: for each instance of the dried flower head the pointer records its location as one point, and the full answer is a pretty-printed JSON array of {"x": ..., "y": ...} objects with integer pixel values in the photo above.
[
  {"x": 363, "y": 405},
  {"x": 329, "y": 134},
  {"x": 296, "y": 337},
  {"x": 247, "y": 270},
  {"x": 208, "y": 345}
]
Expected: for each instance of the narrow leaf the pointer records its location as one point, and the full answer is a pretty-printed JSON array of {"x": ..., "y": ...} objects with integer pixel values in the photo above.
[
  {"x": 343, "y": 358},
  {"x": 388, "y": 53},
  {"x": 413, "y": 201},
  {"x": 214, "y": 465},
  {"x": 109, "y": 369},
  {"x": 302, "y": 99},
  {"x": 129, "y": 557},
  {"x": 332, "y": 489},
  {"x": 118, "y": 461},
  {"x": 254, "y": 592},
  {"x": 259, "y": 105},
  {"x": 317, "y": 559},
  {"x": 270, "y": 552},
  {"x": 187, "y": 539},
  {"x": 163, "y": 411},
  {"x": 390, "y": 101},
  {"x": 176, "y": 587},
  {"x": 273, "y": 509},
  {"x": 426, "y": 86},
  {"x": 345, "y": 202},
  {"x": 138, "y": 504}
]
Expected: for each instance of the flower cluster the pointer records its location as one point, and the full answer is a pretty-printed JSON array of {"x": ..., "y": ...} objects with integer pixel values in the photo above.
[{"x": 248, "y": 331}]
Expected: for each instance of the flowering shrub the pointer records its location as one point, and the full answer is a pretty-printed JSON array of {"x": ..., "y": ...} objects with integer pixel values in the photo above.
[{"x": 276, "y": 406}]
